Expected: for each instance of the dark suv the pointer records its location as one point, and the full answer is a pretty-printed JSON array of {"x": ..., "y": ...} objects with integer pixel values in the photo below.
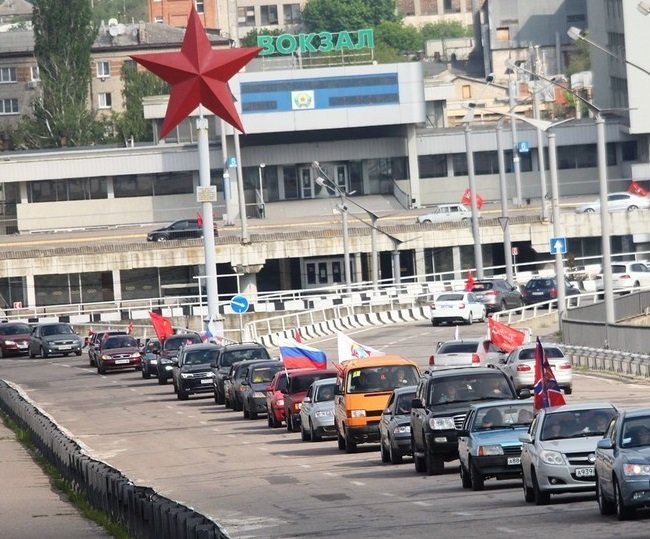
[
  {"x": 497, "y": 294},
  {"x": 540, "y": 289},
  {"x": 191, "y": 373},
  {"x": 169, "y": 353},
  {"x": 442, "y": 400},
  {"x": 231, "y": 353}
]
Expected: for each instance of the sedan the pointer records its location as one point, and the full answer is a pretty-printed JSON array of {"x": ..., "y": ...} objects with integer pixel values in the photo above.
[
  {"x": 558, "y": 453},
  {"x": 457, "y": 307},
  {"x": 623, "y": 465},
  {"x": 118, "y": 352},
  {"x": 519, "y": 366},
  {"x": 178, "y": 230},
  {"x": 317, "y": 411},
  {"x": 466, "y": 353},
  {"x": 489, "y": 445},
  {"x": 14, "y": 338},
  {"x": 621, "y": 201},
  {"x": 254, "y": 386},
  {"x": 395, "y": 425}
]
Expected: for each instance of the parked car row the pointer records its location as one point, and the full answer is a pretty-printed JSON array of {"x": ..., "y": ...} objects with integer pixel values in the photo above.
[{"x": 43, "y": 339}]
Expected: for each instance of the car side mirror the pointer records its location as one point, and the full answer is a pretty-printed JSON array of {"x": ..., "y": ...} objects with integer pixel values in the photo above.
[
  {"x": 605, "y": 443},
  {"x": 462, "y": 432},
  {"x": 245, "y": 383},
  {"x": 387, "y": 411},
  {"x": 417, "y": 403},
  {"x": 526, "y": 438},
  {"x": 175, "y": 362},
  {"x": 524, "y": 393},
  {"x": 502, "y": 360},
  {"x": 307, "y": 400},
  {"x": 213, "y": 365}
]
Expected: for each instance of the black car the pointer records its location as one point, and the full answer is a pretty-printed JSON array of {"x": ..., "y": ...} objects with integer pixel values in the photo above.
[
  {"x": 169, "y": 353},
  {"x": 150, "y": 355},
  {"x": 232, "y": 353},
  {"x": 191, "y": 373},
  {"x": 497, "y": 294},
  {"x": 54, "y": 338},
  {"x": 540, "y": 289},
  {"x": 233, "y": 383},
  {"x": 178, "y": 230},
  {"x": 257, "y": 380},
  {"x": 395, "y": 425}
]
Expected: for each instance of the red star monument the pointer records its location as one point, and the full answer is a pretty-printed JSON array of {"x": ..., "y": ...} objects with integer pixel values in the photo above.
[{"x": 198, "y": 75}]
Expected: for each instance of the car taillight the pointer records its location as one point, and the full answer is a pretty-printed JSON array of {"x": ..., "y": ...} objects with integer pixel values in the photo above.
[
  {"x": 461, "y": 306},
  {"x": 553, "y": 292},
  {"x": 432, "y": 360},
  {"x": 565, "y": 365},
  {"x": 491, "y": 293},
  {"x": 523, "y": 367},
  {"x": 433, "y": 306},
  {"x": 625, "y": 276},
  {"x": 475, "y": 359}
]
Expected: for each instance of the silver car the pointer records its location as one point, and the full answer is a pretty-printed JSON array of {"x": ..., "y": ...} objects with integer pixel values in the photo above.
[
  {"x": 623, "y": 465},
  {"x": 558, "y": 452},
  {"x": 466, "y": 353},
  {"x": 395, "y": 425},
  {"x": 317, "y": 411}
]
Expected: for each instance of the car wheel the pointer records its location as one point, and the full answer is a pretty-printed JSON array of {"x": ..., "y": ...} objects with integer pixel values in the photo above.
[
  {"x": 31, "y": 354},
  {"x": 43, "y": 353},
  {"x": 289, "y": 420},
  {"x": 274, "y": 421},
  {"x": 470, "y": 319},
  {"x": 385, "y": 455},
  {"x": 568, "y": 390},
  {"x": 252, "y": 414},
  {"x": 540, "y": 497},
  {"x": 313, "y": 434},
  {"x": 77, "y": 353},
  {"x": 434, "y": 465},
  {"x": 529, "y": 496},
  {"x": 632, "y": 208},
  {"x": 434, "y": 323},
  {"x": 236, "y": 406},
  {"x": 605, "y": 506},
  {"x": 395, "y": 455},
  {"x": 350, "y": 444},
  {"x": 622, "y": 511},
  {"x": 146, "y": 374},
  {"x": 590, "y": 210},
  {"x": 182, "y": 396},
  {"x": 161, "y": 238},
  {"x": 504, "y": 305},
  {"x": 340, "y": 441},
  {"x": 218, "y": 397},
  {"x": 304, "y": 435},
  {"x": 477, "y": 480},
  {"x": 91, "y": 363},
  {"x": 100, "y": 368},
  {"x": 426, "y": 222},
  {"x": 245, "y": 411},
  {"x": 465, "y": 479}
]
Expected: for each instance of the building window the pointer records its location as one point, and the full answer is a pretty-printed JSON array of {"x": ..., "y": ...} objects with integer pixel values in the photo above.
[
  {"x": 103, "y": 69},
  {"x": 9, "y": 106},
  {"x": 7, "y": 74},
  {"x": 467, "y": 91},
  {"x": 433, "y": 166},
  {"x": 451, "y": 6},
  {"x": 503, "y": 33},
  {"x": 406, "y": 8},
  {"x": 35, "y": 73},
  {"x": 159, "y": 19},
  {"x": 292, "y": 13},
  {"x": 200, "y": 6},
  {"x": 104, "y": 100},
  {"x": 428, "y": 7},
  {"x": 269, "y": 14},
  {"x": 246, "y": 16}
]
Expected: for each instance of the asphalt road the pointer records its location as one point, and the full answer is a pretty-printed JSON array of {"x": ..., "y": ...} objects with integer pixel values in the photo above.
[{"x": 264, "y": 483}]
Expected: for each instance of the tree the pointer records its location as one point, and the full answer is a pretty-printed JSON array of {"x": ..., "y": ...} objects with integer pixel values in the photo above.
[
  {"x": 63, "y": 36},
  {"x": 340, "y": 15},
  {"x": 395, "y": 35},
  {"x": 445, "y": 30},
  {"x": 250, "y": 39}
]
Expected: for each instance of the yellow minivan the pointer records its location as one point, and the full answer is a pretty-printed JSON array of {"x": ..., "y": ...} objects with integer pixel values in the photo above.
[{"x": 363, "y": 387}]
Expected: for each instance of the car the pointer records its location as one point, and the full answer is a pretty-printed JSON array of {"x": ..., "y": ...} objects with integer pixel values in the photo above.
[
  {"x": 169, "y": 353},
  {"x": 519, "y": 366},
  {"x": 497, "y": 294},
  {"x": 443, "y": 213},
  {"x": 457, "y": 307},
  {"x": 257, "y": 379},
  {"x": 275, "y": 399},
  {"x": 191, "y": 373},
  {"x": 466, "y": 353},
  {"x": 625, "y": 275},
  {"x": 617, "y": 201},
  {"x": 489, "y": 445},
  {"x": 14, "y": 338},
  {"x": 95, "y": 342},
  {"x": 298, "y": 382},
  {"x": 231, "y": 353},
  {"x": 54, "y": 338},
  {"x": 118, "y": 352},
  {"x": 179, "y": 230},
  {"x": 317, "y": 411},
  {"x": 150, "y": 355},
  {"x": 442, "y": 401},
  {"x": 558, "y": 451},
  {"x": 623, "y": 464},
  {"x": 539, "y": 289},
  {"x": 395, "y": 425},
  {"x": 233, "y": 383}
]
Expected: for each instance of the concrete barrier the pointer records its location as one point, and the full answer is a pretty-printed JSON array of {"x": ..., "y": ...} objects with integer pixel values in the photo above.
[{"x": 598, "y": 359}]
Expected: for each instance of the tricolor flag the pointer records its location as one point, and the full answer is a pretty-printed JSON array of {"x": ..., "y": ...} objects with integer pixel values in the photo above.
[
  {"x": 295, "y": 355},
  {"x": 547, "y": 391},
  {"x": 349, "y": 349}
]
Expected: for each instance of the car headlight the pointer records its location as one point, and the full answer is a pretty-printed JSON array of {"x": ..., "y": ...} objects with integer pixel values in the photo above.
[
  {"x": 105, "y": 357},
  {"x": 297, "y": 406},
  {"x": 259, "y": 395},
  {"x": 488, "y": 450},
  {"x": 358, "y": 413},
  {"x": 324, "y": 413},
  {"x": 11, "y": 343},
  {"x": 135, "y": 355},
  {"x": 280, "y": 402},
  {"x": 209, "y": 374},
  {"x": 402, "y": 429},
  {"x": 187, "y": 375},
  {"x": 636, "y": 469},
  {"x": 552, "y": 457},
  {"x": 153, "y": 362},
  {"x": 442, "y": 423}
]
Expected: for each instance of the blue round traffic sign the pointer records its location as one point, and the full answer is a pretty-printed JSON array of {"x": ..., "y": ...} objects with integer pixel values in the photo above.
[{"x": 239, "y": 304}]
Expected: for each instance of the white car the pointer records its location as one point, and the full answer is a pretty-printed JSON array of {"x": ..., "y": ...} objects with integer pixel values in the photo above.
[
  {"x": 466, "y": 353},
  {"x": 457, "y": 307},
  {"x": 519, "y": 366},
  {"x": 621, "y": 201},
  {"x": 444, "y": 213},
  {"x": 626, "y": 275}
]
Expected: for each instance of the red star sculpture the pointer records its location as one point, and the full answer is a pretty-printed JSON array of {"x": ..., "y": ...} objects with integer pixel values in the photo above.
[{"x": 198, "y": 75}]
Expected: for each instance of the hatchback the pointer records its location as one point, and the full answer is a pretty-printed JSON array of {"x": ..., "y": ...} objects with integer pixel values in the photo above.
[
  {"x": 540, "y": 289},
  {"x": 14, "y": 338},
  {"x": 631, "y": 274},
  {"x": 497, "y": 294},
  {"x": 317, "y": 411},
  {"x": 257, "y": 379},
  {"x": 52, "y": 338}
]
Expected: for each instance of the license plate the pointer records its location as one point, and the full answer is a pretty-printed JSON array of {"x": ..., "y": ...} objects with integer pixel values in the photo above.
[
  {"x": 538, "y": 293},
  {"x": 585, "y": 472},
  {"x": 121, "y": 361},
  {"x": 65, "y": 347},
  {"x": 22, "y": 345},
  {"x": 206, "y": 381},
  {"x": 513, "y": 461}
]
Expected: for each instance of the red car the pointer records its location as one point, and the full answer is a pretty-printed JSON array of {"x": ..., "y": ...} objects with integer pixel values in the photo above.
[
  {"x": 298, "y": 383},
  {"x": 275, "y": 399},
  {"x": 14, "y": 338}
]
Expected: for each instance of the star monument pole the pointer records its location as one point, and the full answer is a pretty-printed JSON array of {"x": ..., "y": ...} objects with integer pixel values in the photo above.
[{"x": 198, "y": 76}]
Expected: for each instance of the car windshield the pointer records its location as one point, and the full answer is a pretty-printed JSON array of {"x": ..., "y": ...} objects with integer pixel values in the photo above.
[
  {"x": 469, "y": 388},
  {"x": 551, "y": 352},
  {"x": 263, "y": 375},
  {"x": 302, "y": 382},
  {"x": 382, "y": 378},
  {"x": 56, "y": 329},
  {"x": 15, "y": 329},
  {"x": 325, "y": 393},
  {"x": 200, "y": 357},
  {"x": 504, "y": 416},
  {"x": 403, "y": 404},
  {"x": 120, "y": 342},
  {"x": 636, "y": 432},
  {"x": 480, "y": 287},
  {"x": 619, "y": 268},
  {"x": 540, "y": 284},
  {"x": 229, "y": 357},
  {"x": 458, "y": 348},
  {"x": 174, "y": 343},
  {"x": 576, "y": 423}
]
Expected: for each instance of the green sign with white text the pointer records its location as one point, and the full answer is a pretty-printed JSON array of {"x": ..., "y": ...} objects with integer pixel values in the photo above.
[{"x": 316, "y": 42}]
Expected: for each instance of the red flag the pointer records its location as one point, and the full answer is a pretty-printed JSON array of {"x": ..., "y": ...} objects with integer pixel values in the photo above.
[
  {"x": 636, "y": 189},
  {"x": 469, "y": 284},
  {"x": 161, "y": 326},
  {"x": 199, "y": 218},
  {"x": 467, "y": 200},
  {"x": 547, "y": 391},
  {"x": 504, "y": 336}
]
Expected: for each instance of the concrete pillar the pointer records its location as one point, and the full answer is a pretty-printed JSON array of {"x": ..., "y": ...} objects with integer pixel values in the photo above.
[
  {"x": 414, "y": 167},
  {"x": 117, "y": 285},
  {"x": 357, "y": 271},
  {"x": 455, "y": 256},
  {"x": 419, "y": 262},
  {"x": 248, "y": 279},
  {"x": 30, "y": 292},
  {"x": 110, "y": 191}
]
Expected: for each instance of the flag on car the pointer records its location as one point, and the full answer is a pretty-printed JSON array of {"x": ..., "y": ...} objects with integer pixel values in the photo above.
[
  {"x": 199, "y": 218},
  {"x": 214, "y": 331},
  {"x": 295, "y": 355},
  {"x": 350, "y": 349},
  {"x": 161, "y": 325},
  {"x": 505, "y": 337},
  {"x": 547, "y": 391},
  {"x": 469, "y": 283}
]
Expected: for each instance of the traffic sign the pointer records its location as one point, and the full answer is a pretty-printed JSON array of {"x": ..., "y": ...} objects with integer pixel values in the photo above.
[
  {"x": 239, "y": 304},
  {"x": 522, "y": 147},
  {"x": 232, "y": 162},
  {"x": 515, "y": 251},
  {"x": 557, "y": 246}
]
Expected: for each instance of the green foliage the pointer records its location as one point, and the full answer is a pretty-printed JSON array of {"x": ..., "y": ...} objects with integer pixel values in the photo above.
[
  {"x": 443, "y": 30},
  {"x": 250, "y": 39},
  {"x": 137, "y": 85},
  {"x": 350, "y": 15},
  {"x": 578, "y": 58},
  {"x": 125, "y": 11},
  {"x": 393, "y": 34}
]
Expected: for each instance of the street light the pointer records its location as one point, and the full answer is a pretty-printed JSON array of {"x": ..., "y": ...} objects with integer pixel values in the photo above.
[{"x": 262, "y": 206}]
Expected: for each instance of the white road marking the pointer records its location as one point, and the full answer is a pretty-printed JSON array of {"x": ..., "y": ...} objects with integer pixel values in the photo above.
[
  {"x": 358, "y": 483},
  {"x": 422, "y": 504},
  {"x": 305, "y": 465}
]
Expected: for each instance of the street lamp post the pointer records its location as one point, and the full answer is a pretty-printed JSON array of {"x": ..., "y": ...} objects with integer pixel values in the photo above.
[
  {"x": 504, "y": 220},
  {"x": 478, "y": 253},
  {"x": 262, "y": 205}
]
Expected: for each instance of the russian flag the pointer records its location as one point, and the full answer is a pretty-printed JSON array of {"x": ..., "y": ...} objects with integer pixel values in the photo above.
[{"x": 296, "y": 355}]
